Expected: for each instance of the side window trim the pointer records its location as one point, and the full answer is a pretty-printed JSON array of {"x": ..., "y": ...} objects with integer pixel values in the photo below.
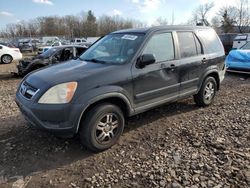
[
  {"x": 188, "y": 31},
  {"x": 196, "y": 38},
  {"x": 173, "y": 42}
]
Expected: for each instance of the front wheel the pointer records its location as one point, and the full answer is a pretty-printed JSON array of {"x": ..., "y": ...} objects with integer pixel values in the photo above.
[
  {"x": 207, "y": 92},
  {"x": 102, "y": 127}
]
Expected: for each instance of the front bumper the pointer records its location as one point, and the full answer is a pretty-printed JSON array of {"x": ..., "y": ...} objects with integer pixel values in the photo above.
[
  {"x": 60, "y": 119},
  {"x": 20, "y": 69}
]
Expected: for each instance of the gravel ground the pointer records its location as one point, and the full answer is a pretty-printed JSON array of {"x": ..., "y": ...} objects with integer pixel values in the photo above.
[{"x": 176, "y": 145}]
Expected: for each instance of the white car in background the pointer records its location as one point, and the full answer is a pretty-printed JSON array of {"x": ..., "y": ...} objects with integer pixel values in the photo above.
[
  {"x": 240, "y": 40},
  {"x": 7, "y": 55},
  {"x": 47, "y": 47}
]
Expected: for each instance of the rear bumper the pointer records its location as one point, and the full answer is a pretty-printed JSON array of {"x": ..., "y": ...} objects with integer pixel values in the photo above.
[{"x": 222, "y": 74}]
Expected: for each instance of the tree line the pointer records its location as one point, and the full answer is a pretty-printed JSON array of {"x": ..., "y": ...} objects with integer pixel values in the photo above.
[
  {"x": 70, "y": 26},
  {"x": 228, "y": 19}
]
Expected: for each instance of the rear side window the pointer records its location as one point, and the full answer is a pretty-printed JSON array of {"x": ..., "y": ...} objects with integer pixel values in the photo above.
[
  {"x": 212, "y": 42},
  {"x": 187, "y": 44},
  {"x": 161, "y": 46}
]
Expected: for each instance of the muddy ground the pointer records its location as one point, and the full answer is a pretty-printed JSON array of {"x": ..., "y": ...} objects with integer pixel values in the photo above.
[{"x": 176, "y": 145}]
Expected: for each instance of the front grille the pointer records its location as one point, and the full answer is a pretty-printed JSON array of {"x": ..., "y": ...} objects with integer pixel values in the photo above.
[{"x": 28, "y": 91}]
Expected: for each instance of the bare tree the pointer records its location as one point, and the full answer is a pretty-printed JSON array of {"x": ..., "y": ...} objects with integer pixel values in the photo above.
[
  {"x": 235, "y": 17},
  {"x": 226, "y": 17},
  {"x": 70, "y": 26},
  {"x": 161, "y": 21},
  {"x": 243, "y": 16},
  {"x": 200, "y": 14},
  {"x": 107, "y": 24}
]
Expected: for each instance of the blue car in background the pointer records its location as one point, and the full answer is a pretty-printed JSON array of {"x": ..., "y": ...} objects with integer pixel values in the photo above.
[{"x": 239, "y": 60}]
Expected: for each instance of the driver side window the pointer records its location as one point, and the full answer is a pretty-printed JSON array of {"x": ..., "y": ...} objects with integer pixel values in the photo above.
[{"x": 161, "y": 46}]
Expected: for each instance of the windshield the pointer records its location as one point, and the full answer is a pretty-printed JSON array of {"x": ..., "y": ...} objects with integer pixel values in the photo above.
[
  {"x": 246, "y": 46},
  {"x": 114, "y": 48},
  {"x": 50, "y": 52}
]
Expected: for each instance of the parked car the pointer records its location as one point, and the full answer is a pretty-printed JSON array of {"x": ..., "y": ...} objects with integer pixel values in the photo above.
[
  {"x": 7, "y": 55},
  {"x": 52, "y": 56},
  {"x": 48, "y": 46},
  {"x": 29, "y": 45},
  {"x": 239, "y": 60},
  {"x": 124, "y": 73},
  {"x": 10, "y": 45},
  {"x": 79, "y": 41},
  {"x": 240, "y": 40}
]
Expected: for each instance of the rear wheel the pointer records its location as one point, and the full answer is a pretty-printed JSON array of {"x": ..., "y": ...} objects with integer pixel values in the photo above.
[
  {"x": 6, "y": 59},
  {"x": 207, "y": 92},
  {"x": 102, "y": 127}
]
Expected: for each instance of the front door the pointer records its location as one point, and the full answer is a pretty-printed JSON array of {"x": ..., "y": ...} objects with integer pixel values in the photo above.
[{"x": 157, "y": 82}]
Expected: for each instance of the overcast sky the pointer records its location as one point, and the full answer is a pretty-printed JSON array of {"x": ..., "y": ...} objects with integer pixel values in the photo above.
[{"x": 12, "y": 11}]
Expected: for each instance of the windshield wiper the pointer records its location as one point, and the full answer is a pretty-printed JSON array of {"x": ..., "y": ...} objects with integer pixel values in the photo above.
[{"x": 95, "y": 60}]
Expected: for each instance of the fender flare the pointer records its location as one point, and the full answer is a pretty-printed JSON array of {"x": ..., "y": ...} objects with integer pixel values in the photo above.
[
  {"x": 129, "y": 108},
  {"x": 211, "y": 71}
]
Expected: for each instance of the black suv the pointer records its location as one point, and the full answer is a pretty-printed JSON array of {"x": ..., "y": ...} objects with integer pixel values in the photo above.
[{"x": 124, "y": 73}]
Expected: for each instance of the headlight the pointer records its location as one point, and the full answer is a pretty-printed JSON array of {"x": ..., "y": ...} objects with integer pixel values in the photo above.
[{"x": 59, "y": 94}]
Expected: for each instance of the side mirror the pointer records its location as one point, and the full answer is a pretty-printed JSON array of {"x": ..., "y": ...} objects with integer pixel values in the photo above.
[{"x": 144, "y": 60}]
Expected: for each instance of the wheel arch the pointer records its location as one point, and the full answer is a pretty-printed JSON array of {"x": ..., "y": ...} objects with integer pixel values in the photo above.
[
  {"x": 6, "y": 54},
  {"x": 117, "y": 99},
  {"x": 214, "y": 74}
]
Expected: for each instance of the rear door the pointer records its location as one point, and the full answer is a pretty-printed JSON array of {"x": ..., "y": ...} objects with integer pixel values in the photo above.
[
  {"x": 192, "y": 62},
  {"x": 157, "y": 82}
]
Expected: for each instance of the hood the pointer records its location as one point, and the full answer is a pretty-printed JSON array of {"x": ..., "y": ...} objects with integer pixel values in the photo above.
[{"x": 73, "y": 70}]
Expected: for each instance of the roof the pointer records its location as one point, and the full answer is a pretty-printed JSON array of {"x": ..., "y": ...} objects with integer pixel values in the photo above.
[{"x": 156, "y": 28}]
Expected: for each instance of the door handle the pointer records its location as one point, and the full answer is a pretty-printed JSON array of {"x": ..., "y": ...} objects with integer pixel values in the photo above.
[
  {"x": 172, "y": 67},
  {"x": 204, "y": 60}
]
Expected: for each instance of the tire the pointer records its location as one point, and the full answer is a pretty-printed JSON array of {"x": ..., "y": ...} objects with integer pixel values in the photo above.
[
  {"x": 207, "y": 92},
  {"x": 102, "y": 127},
  {"x": 6, "y": 59}
]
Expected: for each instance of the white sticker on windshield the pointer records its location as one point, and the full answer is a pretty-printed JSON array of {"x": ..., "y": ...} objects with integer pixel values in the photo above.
[{"x": 129, "y": 37}]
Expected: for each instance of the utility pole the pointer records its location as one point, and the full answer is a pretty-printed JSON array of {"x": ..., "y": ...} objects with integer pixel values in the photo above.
[{"x": 173, "y": 19}]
